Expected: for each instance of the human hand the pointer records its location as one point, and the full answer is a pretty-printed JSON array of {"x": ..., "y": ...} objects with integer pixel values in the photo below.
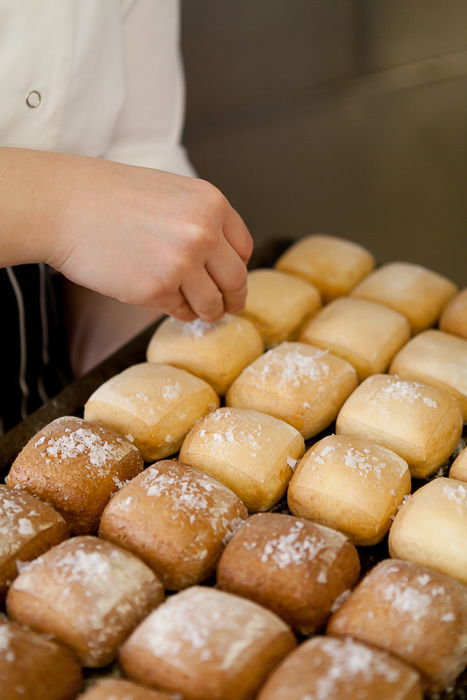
[{"x": 150, "y": 238}]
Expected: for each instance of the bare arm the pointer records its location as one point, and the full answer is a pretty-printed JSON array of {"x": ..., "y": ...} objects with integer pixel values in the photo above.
[{"x": 142, "y": 236}]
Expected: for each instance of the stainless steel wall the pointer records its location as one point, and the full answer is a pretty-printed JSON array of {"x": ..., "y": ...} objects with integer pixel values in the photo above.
[{"x": 338, "y": 116}]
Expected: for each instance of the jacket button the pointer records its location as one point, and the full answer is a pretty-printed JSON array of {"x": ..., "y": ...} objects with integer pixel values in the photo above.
[{"x": 33, "y": 99}]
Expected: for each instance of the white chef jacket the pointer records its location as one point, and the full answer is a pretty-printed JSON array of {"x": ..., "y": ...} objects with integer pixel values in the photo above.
[{"x": 94, "y": 77}]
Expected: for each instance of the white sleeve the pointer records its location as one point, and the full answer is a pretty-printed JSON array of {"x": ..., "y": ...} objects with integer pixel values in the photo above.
[{"x": 149, "y": 126}]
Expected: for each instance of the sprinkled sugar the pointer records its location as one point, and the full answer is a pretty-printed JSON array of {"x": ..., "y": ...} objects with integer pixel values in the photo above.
[
  {"x": 347, "y": 659},
  {"x": 85, "y": 442},
  {"x": 354, "y": 459},
  {"x": 408, "y": 600},
  {"x": 25, "y": 527},
  {"x": 110, "y": 579},
  {"x": 207, "y": 624},
  {"x": 198, "y": 328},
  {"x": 458, "y": 494},
  {"x": 293, "y": 368},
  {"x": 191, "y": 497},
  {"x": 407, "y": 391},
  {"x": 289, "y": 549},
  {"x": 15, "y": 523},
  {"x": 5, "y": 649},
  {"x": 170, "y": 392}
]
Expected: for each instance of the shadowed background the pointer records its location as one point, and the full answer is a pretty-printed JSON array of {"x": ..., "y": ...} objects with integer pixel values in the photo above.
[{"x": 336, "y": 116}]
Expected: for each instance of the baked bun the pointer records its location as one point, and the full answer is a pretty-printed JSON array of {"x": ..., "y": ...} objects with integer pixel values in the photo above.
[
  {"x": 420, "y": 423},
  {"x": 295, "y": 568},
  {"x": 431, "y": 528},
  {"x": 118, "y": 689},
  {"x": 454, "y": 317},
  {"x": 278, "y": 304},
  {"x": 176, "y": 519},
  {"x": 28, "y": 528},
  {"x": 216, "y": 352},
  {"x": 364, "y": 333},
  {"x": 436, "y": 358},
  {"x": 298, "y": 383},
  {"x": 416, "y": 292},
  {"x": 416, "y": 613},
  {"x": 350, "y": 484},
  {"x": 88, "y": 594},
  {"x": 75, "y": 466},
  {"x": 326, "y": 668},
  {"x": 334, "y": 265},
  {"x": 459, "y": 466},
  {"x": 250, "y": 452},
  {"x": 34, "y": 668},
  {"x": 152, "y": 405},
  {"x": 207, "y": 645}
]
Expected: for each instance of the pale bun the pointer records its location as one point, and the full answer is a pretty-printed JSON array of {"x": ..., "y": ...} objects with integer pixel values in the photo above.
[
  {"x": 431, "y": 528},
  {"x": 153, "y": 405},
  {"x": 295, "y": 382},
  {"x": 250, "y": 452},
  {"x": 216, "y": 352},
  {"x": 420, "y": 423},
  {"x": 334, "y": 265},
  {"x": 278, "y": 304},
  {"x": 415, "y": 291}
]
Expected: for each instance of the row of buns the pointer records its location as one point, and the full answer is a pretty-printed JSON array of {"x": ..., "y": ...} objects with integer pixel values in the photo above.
[{"x": 178, "y": 522}]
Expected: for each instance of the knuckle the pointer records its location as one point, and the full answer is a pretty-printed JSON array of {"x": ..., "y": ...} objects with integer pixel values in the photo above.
[
  {"x": 237, "y": 284},
  {"x": 202, "y": 235},
  {"x": 153, "y": 290}
]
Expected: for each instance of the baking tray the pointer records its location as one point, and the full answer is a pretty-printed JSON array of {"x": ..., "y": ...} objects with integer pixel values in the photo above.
[{"x": 71, "y": 400}]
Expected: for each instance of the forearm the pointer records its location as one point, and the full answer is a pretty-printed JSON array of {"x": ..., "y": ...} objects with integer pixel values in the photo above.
[{"x": 31, "y": 203}]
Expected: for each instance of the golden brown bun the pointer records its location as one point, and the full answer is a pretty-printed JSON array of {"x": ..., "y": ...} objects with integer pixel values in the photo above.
[
  {"x": 28, "y": 528},
  {"x": 454, "y": 317},
  {"x": 326, "y": 668},
  {"x": 216, "y": 352},
  {"x": 438, "y": 359},
  {"x": 415, "y": 291},
  {"x": 295, "y": 382},
  {"x": 153, "y": 405},
  {"x": 35, "y": 668},
  {"x": 413, "y": 612},
  {"x": 364, "y": 333},
  {"x": 75, "y": 466},
  {"x": 278, "y": 304},
  {"x": 176, "y": 519},
  {"x": 420, "y": 423},
  {"x": 334, "y": 265},
  {"x": 207, "y": 645},
  {"x": 295, "y": 568},
  {"x": 351, "y": 485},
  {"x": 459, "y": 466},
  {"x": 431, "y": 528},
  {"x": 251, "y": 452},
  {"x": 88, "y": 594},
  {"x": 118, "y": 689}
]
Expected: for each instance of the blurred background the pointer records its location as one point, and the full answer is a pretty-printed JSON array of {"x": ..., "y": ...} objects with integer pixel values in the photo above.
[{"x": 337, "y": 116}]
